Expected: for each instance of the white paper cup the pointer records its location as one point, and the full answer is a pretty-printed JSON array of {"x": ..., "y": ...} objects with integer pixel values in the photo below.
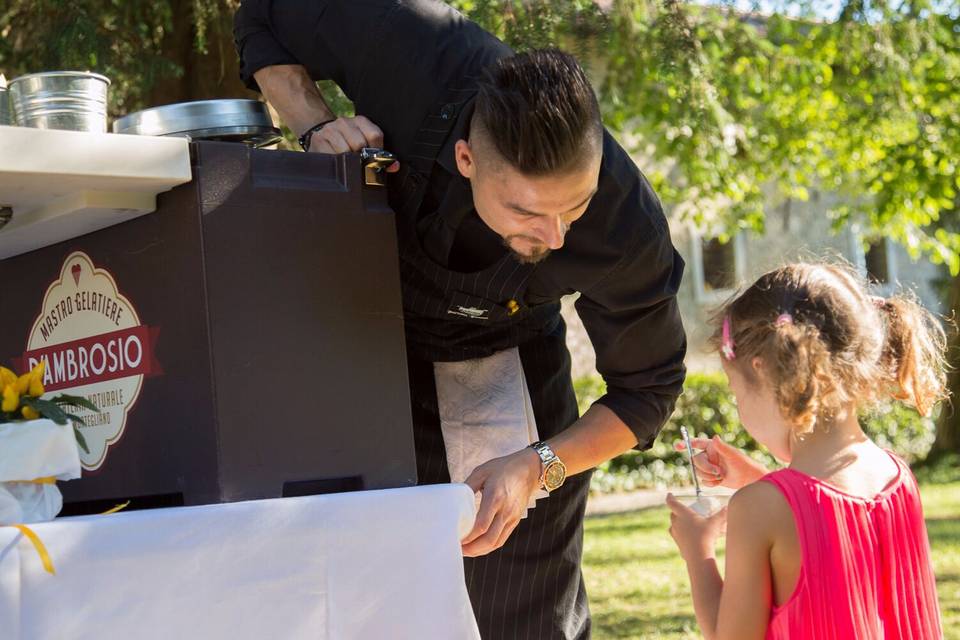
[{"x": 706, "y": 505}]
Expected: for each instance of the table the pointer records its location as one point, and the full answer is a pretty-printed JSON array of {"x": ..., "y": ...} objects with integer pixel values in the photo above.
[{"x": 375, "y": 564}]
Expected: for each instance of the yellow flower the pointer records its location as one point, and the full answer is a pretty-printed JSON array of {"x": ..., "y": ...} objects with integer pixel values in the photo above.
[
  {"x": 7, "y": 377},
  {"x": 11, "y": 399},
  {"x": 36, "y": 380},
  {"x": 29, "y": 413},
  {"x": 23, "y": 384}
]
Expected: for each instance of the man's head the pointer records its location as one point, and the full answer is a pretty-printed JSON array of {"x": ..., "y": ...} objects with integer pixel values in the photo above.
[{"x": 534, "y": 152}]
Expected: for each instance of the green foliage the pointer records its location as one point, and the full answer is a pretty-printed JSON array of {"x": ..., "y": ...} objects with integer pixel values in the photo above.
[
  {"x": 721, "y": 104},
  {"x": 707, "y": 408}
]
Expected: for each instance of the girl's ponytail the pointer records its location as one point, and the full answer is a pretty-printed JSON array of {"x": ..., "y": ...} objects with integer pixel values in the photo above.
[{"x": 913, "y": 353}]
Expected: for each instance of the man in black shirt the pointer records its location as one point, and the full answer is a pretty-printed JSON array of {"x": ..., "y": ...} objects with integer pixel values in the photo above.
[{"x": 509, "y": 195}]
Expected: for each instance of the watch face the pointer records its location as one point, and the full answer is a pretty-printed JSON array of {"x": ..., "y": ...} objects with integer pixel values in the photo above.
[{"x": 554, "y": 475}]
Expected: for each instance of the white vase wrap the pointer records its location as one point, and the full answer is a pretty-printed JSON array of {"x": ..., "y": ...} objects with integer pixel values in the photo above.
[{"x": 32, "y": 453}]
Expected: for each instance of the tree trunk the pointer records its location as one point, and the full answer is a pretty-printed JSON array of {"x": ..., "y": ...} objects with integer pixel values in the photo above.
[
  {"x": 214, "y": 74},
  {"x": 948, "y": 425}
]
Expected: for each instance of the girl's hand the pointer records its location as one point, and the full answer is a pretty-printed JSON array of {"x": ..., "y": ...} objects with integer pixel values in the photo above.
[
  {"x": 695, "y": 535},
  {"x": 723, "y": 465}
]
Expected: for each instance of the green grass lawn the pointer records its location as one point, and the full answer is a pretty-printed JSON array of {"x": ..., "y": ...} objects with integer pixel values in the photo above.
[{"x": 638, "y": 584}]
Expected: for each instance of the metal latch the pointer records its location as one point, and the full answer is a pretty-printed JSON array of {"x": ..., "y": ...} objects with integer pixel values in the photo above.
[{"x": 375, "y": 162}]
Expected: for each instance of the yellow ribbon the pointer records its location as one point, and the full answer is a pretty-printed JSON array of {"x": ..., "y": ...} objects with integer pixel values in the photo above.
[
  {"x": 116, "y": 508},
  {"x": 38, "y": 545},
  {"x": 35, "y": 539}
]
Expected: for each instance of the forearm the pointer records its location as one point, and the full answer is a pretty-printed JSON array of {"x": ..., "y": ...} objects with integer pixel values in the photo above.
[
  {"x": 596, "y": 437},
  {"x": 294, "y": 94},
  {"x": 706, "y": 586}
]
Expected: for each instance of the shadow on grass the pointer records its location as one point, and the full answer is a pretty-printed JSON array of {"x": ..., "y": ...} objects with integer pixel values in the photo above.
[
  {"x": 624, "y": 558},
  {"x": 619, "y": 625}
]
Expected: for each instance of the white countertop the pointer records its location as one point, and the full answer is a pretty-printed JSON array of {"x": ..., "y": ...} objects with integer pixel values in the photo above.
[{"x": 63, "y": 184}]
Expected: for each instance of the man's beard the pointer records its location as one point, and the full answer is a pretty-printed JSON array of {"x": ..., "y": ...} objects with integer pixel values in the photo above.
[{"x": 540, "y": 252}]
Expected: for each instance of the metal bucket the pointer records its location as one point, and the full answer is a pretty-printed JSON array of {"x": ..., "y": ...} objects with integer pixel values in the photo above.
[
  {"x": 6, "y": 115},
  {"x": 73, "y": 100}
]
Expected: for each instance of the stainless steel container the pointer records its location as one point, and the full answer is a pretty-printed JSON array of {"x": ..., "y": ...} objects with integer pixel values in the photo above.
[
  {"x": 74, "y": 100},
  {"x": 230, "y": 120}
]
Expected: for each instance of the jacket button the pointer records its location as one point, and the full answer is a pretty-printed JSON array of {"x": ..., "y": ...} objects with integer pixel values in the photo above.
[{"x": 448, "y": 111}]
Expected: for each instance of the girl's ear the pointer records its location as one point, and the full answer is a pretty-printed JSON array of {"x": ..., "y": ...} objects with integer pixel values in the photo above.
[{"x": 759, "y": 367}]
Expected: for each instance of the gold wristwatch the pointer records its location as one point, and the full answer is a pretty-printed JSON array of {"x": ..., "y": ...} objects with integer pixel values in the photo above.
[{"x": 553, "y": 471}]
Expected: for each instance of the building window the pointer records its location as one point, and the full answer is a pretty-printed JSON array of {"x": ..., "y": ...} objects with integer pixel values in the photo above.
[
  {"x": 877, "y": 262},
  {"x": 718, "y": 267},
  {"x": 719, "y": 264}
]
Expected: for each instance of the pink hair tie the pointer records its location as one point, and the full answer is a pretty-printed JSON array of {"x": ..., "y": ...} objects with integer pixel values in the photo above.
[
  {"x": 726, "y": 343},
  {"x": 782, "y": 319}
]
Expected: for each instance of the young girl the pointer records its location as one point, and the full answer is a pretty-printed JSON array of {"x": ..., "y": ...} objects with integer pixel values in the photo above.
[{"x": 834, "y": 546}]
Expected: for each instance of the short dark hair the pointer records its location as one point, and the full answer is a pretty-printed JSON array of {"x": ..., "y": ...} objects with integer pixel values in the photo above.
[{"x": 539, "y": 111}]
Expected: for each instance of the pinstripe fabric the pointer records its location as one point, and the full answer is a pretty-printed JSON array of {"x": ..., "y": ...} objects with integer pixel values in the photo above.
[{"x": 532, "y": 587}]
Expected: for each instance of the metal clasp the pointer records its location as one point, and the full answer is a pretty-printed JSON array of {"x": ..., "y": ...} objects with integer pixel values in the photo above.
[{"x": 375, "y": 162}]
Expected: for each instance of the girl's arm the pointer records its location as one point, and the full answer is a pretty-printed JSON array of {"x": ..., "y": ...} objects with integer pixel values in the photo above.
[
  {"x": 737, "y": 607},
  {"x": 744, "y": 610}
]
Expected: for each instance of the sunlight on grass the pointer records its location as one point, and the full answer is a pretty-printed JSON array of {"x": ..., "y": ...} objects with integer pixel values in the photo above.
[{"x": 638, "y": 585}]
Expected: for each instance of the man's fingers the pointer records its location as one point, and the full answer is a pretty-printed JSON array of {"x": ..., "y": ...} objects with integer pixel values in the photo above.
[
  {"x": 485, "y": 518},
  {"x": 332, "y": 141},
  {"x": 475, "y": 480},
  {"x": 485, "y": 543},
  {"x": 506, "y": 533},
  {"x": 372, "y": 134},
  {"x": 353, "y": 135}
]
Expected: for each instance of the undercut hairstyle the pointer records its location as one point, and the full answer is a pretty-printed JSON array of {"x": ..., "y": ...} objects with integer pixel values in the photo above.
[
  {"x": 838, "y": 345},
  {"x": 539, "y": 112}
]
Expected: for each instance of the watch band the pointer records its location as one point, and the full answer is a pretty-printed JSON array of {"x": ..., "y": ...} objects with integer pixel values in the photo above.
[
  {"x": 545, "y": 452},
  {"x": 307, "y": 136}
]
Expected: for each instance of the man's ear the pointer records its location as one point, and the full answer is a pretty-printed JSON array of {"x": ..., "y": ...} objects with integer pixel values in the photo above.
[{"x": 466, "y": 161}]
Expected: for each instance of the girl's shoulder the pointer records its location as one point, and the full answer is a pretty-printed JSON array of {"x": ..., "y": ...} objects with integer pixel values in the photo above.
[{"x": 761, "y": 506}]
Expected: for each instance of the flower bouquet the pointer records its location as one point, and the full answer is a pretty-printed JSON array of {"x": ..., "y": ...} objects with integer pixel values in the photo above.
[{"x": 38, "y": 446}]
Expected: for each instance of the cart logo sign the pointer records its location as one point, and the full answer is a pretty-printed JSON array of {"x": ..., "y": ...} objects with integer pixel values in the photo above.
[{"x": 94, "y": 346}]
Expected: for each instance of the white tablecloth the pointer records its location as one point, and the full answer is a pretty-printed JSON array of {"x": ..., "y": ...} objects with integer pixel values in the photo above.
[{"x": 366, "y": 565}]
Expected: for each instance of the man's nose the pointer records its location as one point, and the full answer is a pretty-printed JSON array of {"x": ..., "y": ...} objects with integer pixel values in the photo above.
[{"x": 554, "y": 232}]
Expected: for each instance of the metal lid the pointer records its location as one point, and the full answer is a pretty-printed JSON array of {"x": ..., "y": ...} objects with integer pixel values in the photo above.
[
  {"x": 230, "y": 119},
  {"x": 61, "y": 74}
]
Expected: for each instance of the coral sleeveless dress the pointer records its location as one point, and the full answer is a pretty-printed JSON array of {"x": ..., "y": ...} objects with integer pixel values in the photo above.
[{"x": 865, "y": 569}]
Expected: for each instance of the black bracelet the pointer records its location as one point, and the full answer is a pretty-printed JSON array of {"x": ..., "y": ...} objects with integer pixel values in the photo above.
[{"x": 304, "y": 140}]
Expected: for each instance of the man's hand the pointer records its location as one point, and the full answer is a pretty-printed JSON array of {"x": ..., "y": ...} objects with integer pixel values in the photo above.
[
  {"x": 346, "y": 134},
  {"x": 506, "y": 485},
  {"x": 721, "y": 464}
]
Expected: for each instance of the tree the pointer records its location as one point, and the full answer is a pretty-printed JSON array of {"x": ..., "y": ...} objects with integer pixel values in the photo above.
[
  {"x": 155, "y": 52},
  {"x": 724, "y": 105}
]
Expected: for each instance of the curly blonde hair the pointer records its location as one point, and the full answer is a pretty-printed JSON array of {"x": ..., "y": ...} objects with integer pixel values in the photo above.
[{"x": 828, "y": 343}]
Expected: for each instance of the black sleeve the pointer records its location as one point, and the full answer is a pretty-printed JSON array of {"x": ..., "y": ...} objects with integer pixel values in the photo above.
[
  {"x": 395, "y": 59},
  {"x": 256, "y": 44},
  {"x": 331, "y": 38},
  {"x": 633, "y": 321}
]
